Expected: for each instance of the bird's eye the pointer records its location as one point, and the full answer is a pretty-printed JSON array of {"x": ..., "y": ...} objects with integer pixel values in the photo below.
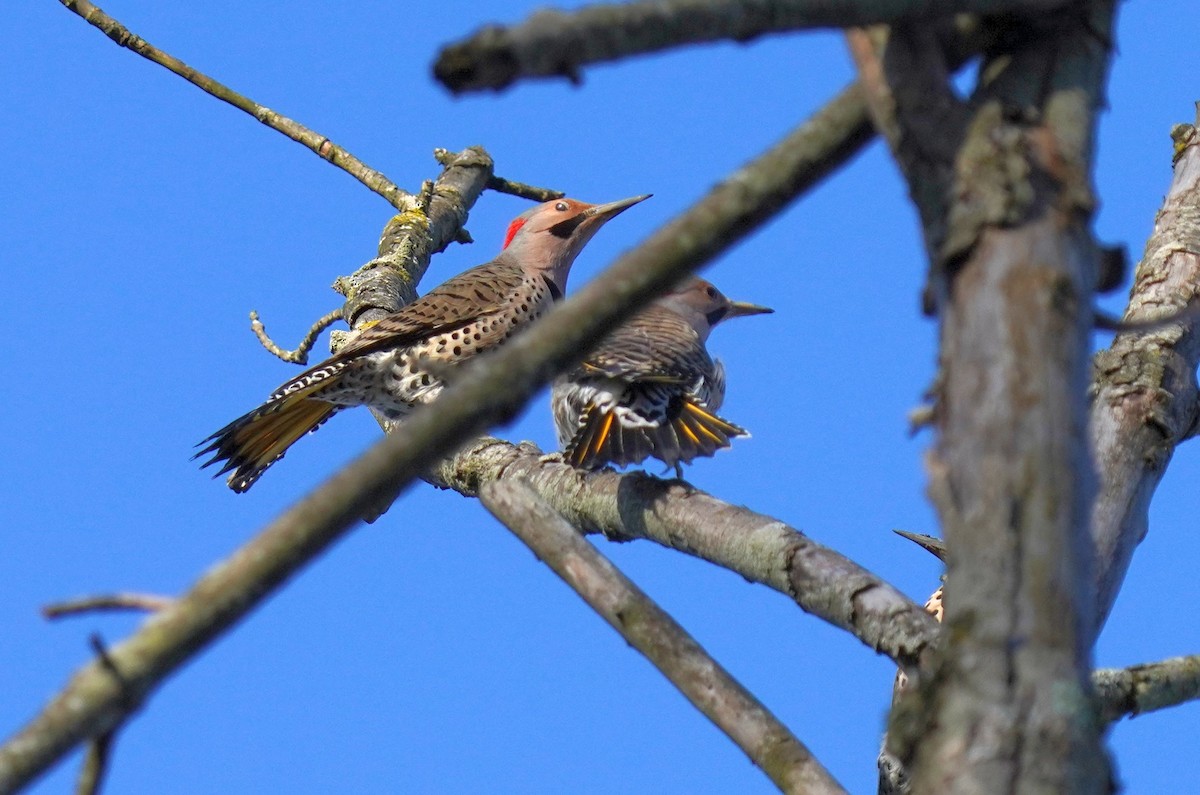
[
  {"x": 712, "y": 292},
  {"x": 561, "y": 207}
]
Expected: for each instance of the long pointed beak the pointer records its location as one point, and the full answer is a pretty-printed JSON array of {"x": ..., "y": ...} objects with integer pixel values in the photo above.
[
  {"x": 742, "y": 309},
  {"x": 611, "y": 209},
  {"x": 931, "y": 544}
]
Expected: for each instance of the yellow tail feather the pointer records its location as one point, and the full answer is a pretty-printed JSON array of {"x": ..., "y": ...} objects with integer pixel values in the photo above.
[{"x": 251, "y": 443}]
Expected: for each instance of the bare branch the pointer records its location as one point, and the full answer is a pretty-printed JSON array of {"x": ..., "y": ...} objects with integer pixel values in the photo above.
[
  {"x": 145, "y": 602},
  {"x": 904, "y": 78},
  {"x": 300, "y": 354},
  {"x": 650, "y": 630},
  {"x": 412, "y": 237},
  {"x": 508, "y": 186},
  {"x": 557, "y": 43},
  {"x": 1148, "y": 687},
  {"x": 523, "y": 191},
  {"x": 678, "y": 516},
  {"x": 95, "y": 765},
  {"x": 325, "y": 148},
  {"x": 1144, "y": 386}
]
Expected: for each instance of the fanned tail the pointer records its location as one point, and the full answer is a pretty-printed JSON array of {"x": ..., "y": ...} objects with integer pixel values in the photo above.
[
  {"x": 255, "y": 440},
  {"x": 602, "y": 439},
  {"x": 691, "y": 433},
  {"x": 701, "y": 433}
]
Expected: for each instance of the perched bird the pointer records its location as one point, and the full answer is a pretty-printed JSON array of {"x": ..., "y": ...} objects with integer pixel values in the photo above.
[
  {"x": 650, "y": 388},
  {"x": 403, "y": 360}
]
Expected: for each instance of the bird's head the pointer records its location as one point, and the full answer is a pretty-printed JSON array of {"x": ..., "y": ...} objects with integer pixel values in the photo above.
[
  {"x": 705, "y": 306},
  {"x": 549, "y": 236}
]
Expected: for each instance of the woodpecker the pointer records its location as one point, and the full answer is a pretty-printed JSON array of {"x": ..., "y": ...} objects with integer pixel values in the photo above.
[
  {"x": 403, "y": 360},
  {"x": 650, "y": 388}
]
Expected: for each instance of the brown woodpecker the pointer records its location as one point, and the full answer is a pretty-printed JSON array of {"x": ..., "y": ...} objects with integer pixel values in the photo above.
[
  {"x": 402, "y": 360},
  {"x": 650, "y": 388}
]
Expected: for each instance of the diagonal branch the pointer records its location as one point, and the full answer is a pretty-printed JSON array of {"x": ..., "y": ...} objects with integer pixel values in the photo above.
[
  {"x": 654, "y": 633},
  {"x": 675, "y": 515},
  {"x": 94, "y": 701},
  {"x": 1144, "y": 386},
  {"x": 95, "y": 764},
  {"x": 557, "y": 43},
  {"x": 322, "y": 146},
  {"x": 488, "y": 391},
  {"x": 412, "y": 237}
]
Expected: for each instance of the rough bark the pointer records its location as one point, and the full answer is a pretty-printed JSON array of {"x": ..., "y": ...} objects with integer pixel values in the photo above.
[
  {"x": 675, "y": 515},
  {"x": 1004, "y": 193},
  {"x": 1144, "y": 386}
]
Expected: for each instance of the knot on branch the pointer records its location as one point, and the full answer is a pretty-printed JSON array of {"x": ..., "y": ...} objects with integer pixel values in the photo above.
[{"x": 991, "y": 184}]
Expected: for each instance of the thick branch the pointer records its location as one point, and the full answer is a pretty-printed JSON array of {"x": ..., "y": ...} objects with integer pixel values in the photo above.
[
  {"x": 1013, "y": 273},
  {"x": 1148, "y": 687},
  {"x": 675, "y": 515},
  {"x": 325, "y": 148},
  {"x": 652, "y": 631},
  {"x": 1144, "y": 385},
  {"x": 411, "y": 238},
  {"x": 556, "y": 43}
]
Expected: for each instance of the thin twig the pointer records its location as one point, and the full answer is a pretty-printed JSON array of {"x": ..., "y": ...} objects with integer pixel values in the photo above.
[
  {"x": 520, "y": 189},
  {"x": 146, "y": 602},
  {"x": 654, "y": 633},
  {"x": 95, "y": 764},
  {"x": 324, "y": 148},
  {"x": 502, "y": 185},
  {"x": 300, "y": 354}
]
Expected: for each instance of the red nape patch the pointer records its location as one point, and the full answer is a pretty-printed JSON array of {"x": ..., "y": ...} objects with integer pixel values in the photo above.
[{"x": 513, "y": 228}]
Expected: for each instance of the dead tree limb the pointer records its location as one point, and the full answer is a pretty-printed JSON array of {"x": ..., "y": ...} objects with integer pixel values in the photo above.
[{"x": 770, "y": 745}]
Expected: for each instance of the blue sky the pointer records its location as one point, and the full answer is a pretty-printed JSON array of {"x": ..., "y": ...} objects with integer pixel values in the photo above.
[{"x": 431, "y": 652}]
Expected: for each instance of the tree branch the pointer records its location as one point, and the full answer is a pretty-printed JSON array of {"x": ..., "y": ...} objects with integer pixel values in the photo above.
[
  {"x": 1147, "y": 687},
  {"x": 1014, "y": 270},
  {"x": 1144, "y": 386},
  {"x": 144, "y": 602},
  {"x": 322, "y": 146},
  {"x": 412, "y": 237},
  {"x": 557, "y": 43},
  {"x": 95, "y": 764},
  {"x": 300, "y": 354},
  {"x": 678, "y": 516},
  {"x": 650, "y": 630}
]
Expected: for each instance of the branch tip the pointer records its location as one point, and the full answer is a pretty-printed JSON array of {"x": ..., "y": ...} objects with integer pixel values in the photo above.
[
  {"x": 319, "y": 144},
  {"x": 300, "y": 354},
  {"x": 149, "y": 603}
]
